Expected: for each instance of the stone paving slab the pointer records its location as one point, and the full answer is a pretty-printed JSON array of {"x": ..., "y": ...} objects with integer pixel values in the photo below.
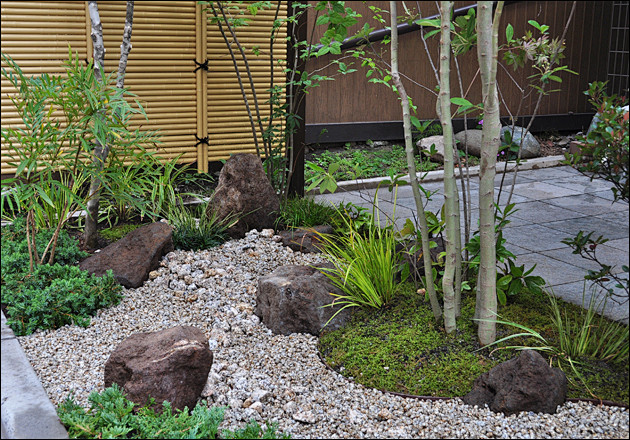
[
  {"x": 541, "y": 212},
  {"x": 580, "y": 293},
  {"x": 536, "y": 238},
  {"x": 589, "y": 204},
  {"x": 607, "y": 226},
  {"x": 542, "y": 190},
  {"x": 552, "y": 270},
  {"x": 606, "y": 254}
]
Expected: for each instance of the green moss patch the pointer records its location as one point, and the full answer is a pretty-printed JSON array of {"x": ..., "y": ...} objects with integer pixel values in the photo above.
[{"x": 401, "y": 348}]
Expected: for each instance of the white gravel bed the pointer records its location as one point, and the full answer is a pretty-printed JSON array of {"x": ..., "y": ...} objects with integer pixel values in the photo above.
[{"x": 267, "y": 377}]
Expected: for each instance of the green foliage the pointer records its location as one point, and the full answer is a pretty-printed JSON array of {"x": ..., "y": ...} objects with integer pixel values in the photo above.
[
  {"x": 15, "y": 258},
  {"x": 327, "y": 168},
  {"x": 401, "y": 348},
  {"x": 586, "y": 247},
  {"x": 298, "y": 212},
  {"x": 196, "y": 228},
  {"x": 604, "y": 150},
  {"x": 55, "y": 295},
  {"x": 65, "y": 117},
  {"x": 365, "y": 265},
  {"x": 511, "y": 278},
  {"x": 111, "y": 415}
]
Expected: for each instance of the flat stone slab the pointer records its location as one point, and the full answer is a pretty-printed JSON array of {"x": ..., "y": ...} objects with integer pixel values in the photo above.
[
  {"x": 608, "y": 227},
  {"x": 553, "y": 271},
  {"x": 26, "y": 410},
  {"x": 536, "y": 238},
  {"x": 588, "y": 204},
  {"x": 541, "y": 212},
  {"x": 542, "y": 190}
]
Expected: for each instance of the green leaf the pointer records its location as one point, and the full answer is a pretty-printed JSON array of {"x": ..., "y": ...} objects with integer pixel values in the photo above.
[
  {"x": 503, "y": 282},
  {"x": 501, "y": 297},
  {"x": 509, "y": 32},
  {"x": 463, "y": 102}
]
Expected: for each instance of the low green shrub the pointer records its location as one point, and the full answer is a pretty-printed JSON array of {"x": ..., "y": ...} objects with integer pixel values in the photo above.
[
  {"x": 15, "y": 258},
  {"x": 111, "y": 415},
  {"x": 55, "y": 295}
]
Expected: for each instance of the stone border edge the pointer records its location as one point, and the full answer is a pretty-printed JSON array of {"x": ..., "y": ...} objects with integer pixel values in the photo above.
[
  {"x": 27, "y": 412},
  {"x": 434, "y": 176}
]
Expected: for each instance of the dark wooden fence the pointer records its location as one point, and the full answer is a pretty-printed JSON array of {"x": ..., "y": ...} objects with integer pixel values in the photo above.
[{"x": 351, "y": 109}]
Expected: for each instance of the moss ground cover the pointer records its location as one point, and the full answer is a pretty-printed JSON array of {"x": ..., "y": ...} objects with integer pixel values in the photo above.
[{"x": 400, "y": 348}]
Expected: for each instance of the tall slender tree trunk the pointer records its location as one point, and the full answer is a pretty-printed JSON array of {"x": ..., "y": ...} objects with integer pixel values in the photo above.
[
  {"x": 424, "y": 230},
  {"x": 101, "y": 152},
  {"x": 451, "y": 208},
  {"x": 487, "y": 48}
]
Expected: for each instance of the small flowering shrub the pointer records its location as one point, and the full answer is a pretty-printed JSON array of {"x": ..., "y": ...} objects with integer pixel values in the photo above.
[{"x": 604, "y": 150}]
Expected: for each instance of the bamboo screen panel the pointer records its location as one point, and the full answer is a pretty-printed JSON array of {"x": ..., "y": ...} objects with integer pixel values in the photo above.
[
  {"x": 229, "y": 128},
  {"x": 159, "y": 69},
  {"x": 36, "y": 35},
  {"x": 167, "y": 37}
]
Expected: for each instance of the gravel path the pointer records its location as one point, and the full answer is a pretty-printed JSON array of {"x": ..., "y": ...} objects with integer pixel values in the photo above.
[{"x": 270, "y": 377}]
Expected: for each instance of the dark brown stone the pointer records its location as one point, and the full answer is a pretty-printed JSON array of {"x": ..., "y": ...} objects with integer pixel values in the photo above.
[
  {"x": 171, "y": 364},
  {"x": 305, "y": 239},
  {"x": 134, "y": 256},
  {"x": 525, "y": 383},
  {"x": 244, "y": 190},
  {"x": 290, "y": 300}
]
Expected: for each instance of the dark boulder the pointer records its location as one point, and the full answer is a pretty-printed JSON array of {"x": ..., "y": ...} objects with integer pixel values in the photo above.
[
  {"x": 171, "y": 364},
  {"x": 244, "y": 191},
  {"x": 525, "y": 383},
  {"x": 134, "y": 256},
  {"x": 290, "y": 300}
]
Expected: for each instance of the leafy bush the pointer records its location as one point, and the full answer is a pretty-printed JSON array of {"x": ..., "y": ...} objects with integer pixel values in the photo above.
[
  {"x": 111, "y": 415},
  {"x": 55, "y": 295},
  {"x": 604, "y": 150}
]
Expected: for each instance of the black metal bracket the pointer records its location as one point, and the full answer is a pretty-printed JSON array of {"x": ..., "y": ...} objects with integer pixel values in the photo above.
[
  {"x": 203, "y": 65},
  {"x": 203, "y": 140}
]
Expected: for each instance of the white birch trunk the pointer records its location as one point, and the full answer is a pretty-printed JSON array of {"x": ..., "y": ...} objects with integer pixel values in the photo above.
[
  {"x": 487, "y": 37},
  {"x": 451, "y": 209}
]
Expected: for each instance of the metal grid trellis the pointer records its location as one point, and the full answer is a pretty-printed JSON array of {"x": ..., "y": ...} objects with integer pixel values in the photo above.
[{"x": 618, "y": 59}]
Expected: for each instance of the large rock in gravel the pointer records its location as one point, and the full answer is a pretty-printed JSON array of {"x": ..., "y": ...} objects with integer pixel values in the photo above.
[
  {"x": 305, "y": 239},
  {"x": 134, "y": 256},
  {"x": 525, "y": 383},
  {"x": 291, "y": 300},
  {"x": 171, "y": 364},
  {"x": 245, "y": 191}
]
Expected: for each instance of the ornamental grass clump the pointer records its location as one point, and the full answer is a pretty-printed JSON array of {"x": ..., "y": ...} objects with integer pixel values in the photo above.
[{"x": 366, "y": 265}]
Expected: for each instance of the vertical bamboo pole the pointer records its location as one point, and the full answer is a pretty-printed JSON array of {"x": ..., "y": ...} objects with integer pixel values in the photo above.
[
  {"x": 199, "y": 80},
  {"x": 88, "y": 32}
]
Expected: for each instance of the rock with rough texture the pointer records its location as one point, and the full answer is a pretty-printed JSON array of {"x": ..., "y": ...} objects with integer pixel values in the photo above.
[
  {"x": 134, "y": 256},
  {"x": 291, "y": 300},
  {"x": 171, "y": 364},
  {"x": 438, "y": 141},
  {"x": 305, "y": 239},
  {"x": 244, "y": 190},
  {"x": 472, "y": 139},
  {"x": 530, "y": 148},
  {"x": 525, "y": 383}
]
